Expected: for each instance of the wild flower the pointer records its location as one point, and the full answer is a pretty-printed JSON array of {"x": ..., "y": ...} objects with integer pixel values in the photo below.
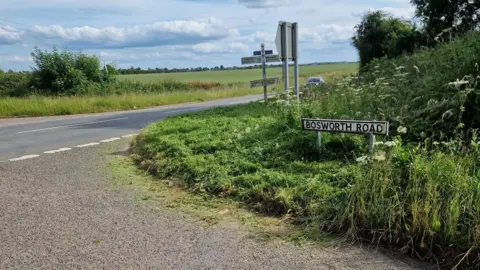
[
  {"x": 458, "y": 82},
  {"x": 399, "y": 67},
  {"x": 402, "y": 130},
  {"x": 379, "y": 156},
  {"x": 391, "y": 143},
  {"x": 362, "y": 159},
  {"x": 417, "y": 69}
]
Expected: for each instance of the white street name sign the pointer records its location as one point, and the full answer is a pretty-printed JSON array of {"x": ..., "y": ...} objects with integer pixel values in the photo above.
[
  {"x": 258, "y": 59},
  {"x": 346, "y": 126},
  {"x": 259, "y": 83},
  {"x": 251, "y": 60}
]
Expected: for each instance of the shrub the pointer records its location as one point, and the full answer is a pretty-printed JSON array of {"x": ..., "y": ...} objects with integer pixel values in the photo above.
[
  {"x": 62, "y": 72},
  {"x": 14, "y": 84}
]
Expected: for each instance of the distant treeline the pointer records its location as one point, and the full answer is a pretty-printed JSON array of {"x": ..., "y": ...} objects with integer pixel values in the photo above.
[{"x": 138, "y": 70}]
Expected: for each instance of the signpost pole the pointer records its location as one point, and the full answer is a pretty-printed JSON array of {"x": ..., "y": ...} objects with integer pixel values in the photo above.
[
  {"x": 319, "y": 141},
  {"x": 285, "y": 55},
  {"x": 295, "y": 55},
  {"x": 371, "y": 145},
  {"x": 264, "y": 72}
]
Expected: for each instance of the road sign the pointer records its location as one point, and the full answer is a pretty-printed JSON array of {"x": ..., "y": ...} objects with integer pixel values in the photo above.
[
  {"x": 272, "y": 58},
  {"x": 258, "y": 59},
  {"x": 251, "y": 60},
  {"x": 346, "y": 126},
  {"x": 259, "y": 83},
  {"x": 281, "y": 39},
  {"x": 267, "y": 52},
  {"x": 286, "y": 42}
]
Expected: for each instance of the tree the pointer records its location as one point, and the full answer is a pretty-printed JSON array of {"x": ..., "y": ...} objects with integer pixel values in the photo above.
[
  {"x": 379, "y": 34},
  {"x": 222, "y": 67},
  {"x": 439, "y": 15}
]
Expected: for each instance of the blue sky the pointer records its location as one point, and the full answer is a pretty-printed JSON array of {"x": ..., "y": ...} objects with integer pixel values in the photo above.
[{"x": 173, "y": 33}]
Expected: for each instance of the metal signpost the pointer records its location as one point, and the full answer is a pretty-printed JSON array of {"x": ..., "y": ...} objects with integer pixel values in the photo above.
[
  {"x": 346, "y": 126},
  {"x": 286, "y": 41},
  {"x": 263, "y": 56}
]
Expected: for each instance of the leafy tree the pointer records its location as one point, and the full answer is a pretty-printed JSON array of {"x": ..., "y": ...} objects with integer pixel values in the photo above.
[
  {"x": 439, "y": 15},
  {"x": 379, "y": 34},
  {"x": 61, "y": 72},
  {"x": 111, "y": 69}
]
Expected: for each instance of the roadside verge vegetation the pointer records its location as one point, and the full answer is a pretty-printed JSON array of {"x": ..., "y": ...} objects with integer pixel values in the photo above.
[
  {"x": 419, "y": 192},
  {"x": 64, "y": 82}
]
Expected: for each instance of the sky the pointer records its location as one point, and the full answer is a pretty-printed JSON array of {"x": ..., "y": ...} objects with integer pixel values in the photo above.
[{"x": 181, "y": 34}]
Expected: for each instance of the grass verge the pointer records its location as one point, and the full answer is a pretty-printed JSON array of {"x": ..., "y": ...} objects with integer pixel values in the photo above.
[
  {"x": 421, "y": 201},
  {"x": 46, "y": 106},
  {"x": 205, "y": 208}
]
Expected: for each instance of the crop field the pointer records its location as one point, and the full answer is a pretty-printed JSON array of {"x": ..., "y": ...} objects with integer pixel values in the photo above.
[{"x": 243, "y": 75}]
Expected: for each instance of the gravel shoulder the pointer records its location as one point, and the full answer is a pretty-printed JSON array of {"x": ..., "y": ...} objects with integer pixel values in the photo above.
[{"x": 63, "y": 211}]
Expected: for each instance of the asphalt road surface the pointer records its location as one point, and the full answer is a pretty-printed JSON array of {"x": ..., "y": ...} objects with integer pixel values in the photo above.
[
  {"x": 24, "y": 138},
  {"x": 62, "y": 211}
]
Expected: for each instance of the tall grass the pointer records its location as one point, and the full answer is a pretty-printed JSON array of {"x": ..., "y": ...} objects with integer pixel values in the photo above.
[
  {"x": 419, "y": 192},
  {"x": 44, "y": 105}
]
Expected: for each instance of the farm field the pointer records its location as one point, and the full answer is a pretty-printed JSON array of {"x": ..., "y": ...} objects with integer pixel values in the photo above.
[{"x": 242, "y": 75}]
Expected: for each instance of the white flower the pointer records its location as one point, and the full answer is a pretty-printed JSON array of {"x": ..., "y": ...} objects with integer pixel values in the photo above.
[
  {"x": 362, "y": 159},
  {"x": 458, "y": 83},
  {"x": 402, "y": 130},
  {"x": 378, "y": 143},
  {"x": 379, "y": 156},
  {"x": 400, "y": 67},
  {"x": 417, "y": 69},
  {"x": 390, "y": 143}
]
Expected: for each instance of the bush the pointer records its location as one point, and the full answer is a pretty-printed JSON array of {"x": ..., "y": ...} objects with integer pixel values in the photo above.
[
  {"x": 433, "y": 92},
  {"x": 380, "y": 34},
  {"x": 63, "y": 72},
  {"x": 14, "y": 84}
]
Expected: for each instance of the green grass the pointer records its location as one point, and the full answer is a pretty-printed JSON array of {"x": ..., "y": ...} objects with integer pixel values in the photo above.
[
  {"x": 45, "y": 106},
  {"x": 244, "y": 75},
  {"x": 418, "y": 192},
  {"x": 404, "y": 196}
]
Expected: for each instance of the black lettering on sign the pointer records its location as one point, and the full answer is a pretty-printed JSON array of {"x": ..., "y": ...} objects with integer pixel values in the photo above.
[
  {"x": 372, "y": 128},
  {"x": 307, "y": 124},
  {"x": 365, "y": 128},
  {"x": 337, "y": 126},
  {"x": 348, "y": 127},
  {"x": 343, "y": 126},
  {"x": 331, "y": 125},
  {"x": 324, "y": 126},
  {"x": 359, "y": 128},
  {"x": 379, "y": 128}
]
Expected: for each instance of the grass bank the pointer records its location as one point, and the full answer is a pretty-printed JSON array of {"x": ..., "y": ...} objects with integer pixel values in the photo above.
[
  {"x": 418, "y": 201},
  {"x": 46, "y": 106},
  {"x": 418, "y": 193}
]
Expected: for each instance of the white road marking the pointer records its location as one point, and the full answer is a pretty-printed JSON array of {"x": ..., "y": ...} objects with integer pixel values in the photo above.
[
  {"x": 129, "y": 135},
  {"x": 24, "y": 157},
  {"x": 88, "y": 144},
  {"x": 74, "y": 125},
  {"x": 181, "y": 110},
  {"x": 57, "y": 151},
  {"x": 110, "y": 140}
]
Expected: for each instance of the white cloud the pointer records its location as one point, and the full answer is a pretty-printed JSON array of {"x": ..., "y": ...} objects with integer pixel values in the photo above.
[
  {"x": 9, "y": 35},
  {"x": 265, "y": 3},
  {"x": 208, "y": 48},
  {"x": 149, "y": 35}
]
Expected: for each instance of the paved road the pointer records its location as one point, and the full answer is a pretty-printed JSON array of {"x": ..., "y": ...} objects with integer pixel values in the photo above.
[
  {"x": 34, "y": 136},
  {"x": 61, "y": 211}
]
